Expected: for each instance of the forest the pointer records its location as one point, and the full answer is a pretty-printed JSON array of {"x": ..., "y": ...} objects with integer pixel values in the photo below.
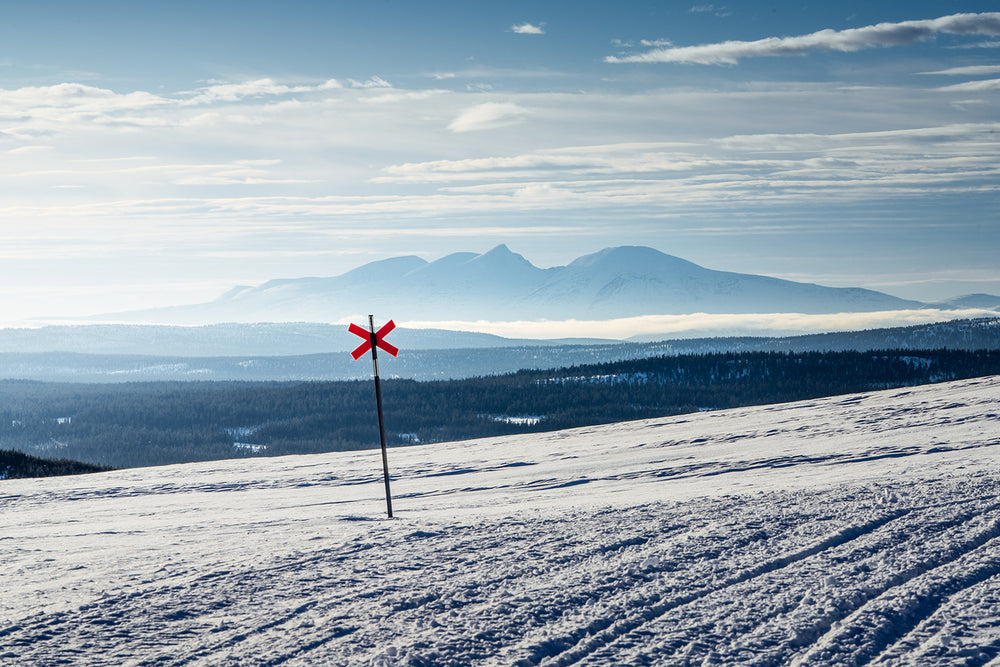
[
  {"x": 154, "y": 423},
  {"x": 16, "y": 465}
]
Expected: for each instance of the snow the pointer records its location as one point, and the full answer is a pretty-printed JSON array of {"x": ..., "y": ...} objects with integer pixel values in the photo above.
[{"x": 849, "y": 530}]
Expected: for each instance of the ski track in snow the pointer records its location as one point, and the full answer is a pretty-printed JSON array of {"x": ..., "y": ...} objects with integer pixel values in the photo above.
[{"x": 853, "y": 530}]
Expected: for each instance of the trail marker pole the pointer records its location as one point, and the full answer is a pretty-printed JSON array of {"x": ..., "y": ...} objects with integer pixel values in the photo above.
[{"x": 373, "y": 340}]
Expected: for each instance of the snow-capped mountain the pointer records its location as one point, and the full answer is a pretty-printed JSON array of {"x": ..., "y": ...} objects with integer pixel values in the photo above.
[
  {"x": 502, "y": 285},
  {"x": 983, "y": 301}
]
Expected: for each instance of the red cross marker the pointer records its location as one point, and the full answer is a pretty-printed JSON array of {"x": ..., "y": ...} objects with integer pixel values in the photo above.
[
  {"x": 377, "y": 337},
  {"x": 374, "y": 340}
]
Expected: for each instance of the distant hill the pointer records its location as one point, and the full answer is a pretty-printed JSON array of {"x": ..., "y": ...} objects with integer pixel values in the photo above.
[
  {"x": 17, "y": 465},
  {"x": 501, "y": 285},
  {"x": 983, "y": 301},
  {"x": 480, "y": 355},
  {"x": 261, "y": 338}
]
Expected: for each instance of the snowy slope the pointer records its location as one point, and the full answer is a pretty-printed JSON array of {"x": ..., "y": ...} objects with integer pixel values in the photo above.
[{"x": 849, "y": 530}]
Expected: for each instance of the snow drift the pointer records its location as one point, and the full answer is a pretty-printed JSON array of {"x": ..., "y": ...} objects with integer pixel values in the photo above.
[{"x": 850, "y": 530}]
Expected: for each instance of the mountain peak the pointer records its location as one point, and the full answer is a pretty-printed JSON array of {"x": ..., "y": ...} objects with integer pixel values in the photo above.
[
  {"x": 501, "y": 256},
  {"x": 638, "y": 259}
]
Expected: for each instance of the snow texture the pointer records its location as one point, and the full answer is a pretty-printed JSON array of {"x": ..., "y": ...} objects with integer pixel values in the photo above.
[{"x": 849, "y": 530}]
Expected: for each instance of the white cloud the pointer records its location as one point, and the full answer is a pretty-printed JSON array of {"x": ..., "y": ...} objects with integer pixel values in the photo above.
[
  {"x": 528, "y": 29},
  {"x": 373, "y": 82},
  {"x": 702, "y": 324},
  {"x": 29, "y": 149},
  {"x": 720, "y": 11},
  {"x": 74, "y": 96},
  {"x": 231, "y": 92},
  {"x": 741, "y": 167},
  {"x": 991, "y": 44},
  {"x": 234, "y": 92},
  {"x": 395, "y": 96},
  {"x": 853, "y": 39},
  {"x": 973, "y": 86},
  {"x": 973, "y": 70},
  {"x": 488, "y": 116},
  {"x": 66, "y": 108}
]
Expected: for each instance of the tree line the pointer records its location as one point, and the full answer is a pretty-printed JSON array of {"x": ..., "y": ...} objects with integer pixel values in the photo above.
[
  {"x": 18, "y": 465},
  {"x": 139, "y": 424}
]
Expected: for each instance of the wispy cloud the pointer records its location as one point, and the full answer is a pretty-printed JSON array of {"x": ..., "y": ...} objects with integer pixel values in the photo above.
[
  {"x": 528, "y": 29},
  {"x": 373, "y": 82},
  {"x": 703, "y": 325},
  {"x": 488, "y": 116},
  {"x": 718, "y": 10},
  {"x": 989, "y": 44},
  {"x": 748, "y": 168},
  {"x": 973, "y": 86},
  {"x": 854, "y": 39},
  {"x": 232, "y": 92},
  {"x": 972, "y": 70},
  {"x": 73, "y": 96}
]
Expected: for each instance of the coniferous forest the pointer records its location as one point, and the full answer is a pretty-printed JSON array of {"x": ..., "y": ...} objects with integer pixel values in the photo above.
[
  {"x": 140, "y": 424},
  {"x": 14, "y": 465}
]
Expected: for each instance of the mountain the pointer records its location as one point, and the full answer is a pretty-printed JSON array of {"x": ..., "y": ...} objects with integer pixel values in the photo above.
[
  {"x": 233, "y": 339},
  {"x": 980, "y": 301},
  {"x": 630, "y": 281},
  {"x": 501, "y": 285}
]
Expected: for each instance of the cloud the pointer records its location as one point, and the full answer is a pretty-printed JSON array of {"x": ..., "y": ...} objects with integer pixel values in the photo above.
[
  {"x": 741, "y": 170},
  {"x": 854, "y": 39},
  {"x": 42, "y": 113},
  {"x": 373, "y": 82},
  {"x": 973, "y": 70},
  {"x": 822, "y": 159},
  {"x": 528, "y": 29},
  {"x": 992, "y": 44},
  {"x": 607, "y": 160},
  {"x": 973, "y": 86},
  {"x": 702, "y": 324},
  {"x": 234, "y": 92},
  {"x": 74, "y": 96},
  {"x": 488, "y": 116},
  {"x": 61, "y": 109},
  {"x": 721, "y": 11}
]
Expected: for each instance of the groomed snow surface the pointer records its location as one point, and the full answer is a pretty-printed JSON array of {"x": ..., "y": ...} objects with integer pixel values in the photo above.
[{"x": 849, "y": 530}]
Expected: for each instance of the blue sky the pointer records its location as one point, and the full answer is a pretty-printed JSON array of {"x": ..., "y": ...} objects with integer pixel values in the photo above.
[{"x": 159, "y": 153}]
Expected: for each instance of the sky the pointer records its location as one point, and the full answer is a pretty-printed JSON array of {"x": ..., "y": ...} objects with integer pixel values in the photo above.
[{"x": 160, "y": 153}]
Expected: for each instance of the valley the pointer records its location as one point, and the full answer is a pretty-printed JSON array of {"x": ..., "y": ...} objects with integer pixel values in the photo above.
[{"x": 858, "y": 529}]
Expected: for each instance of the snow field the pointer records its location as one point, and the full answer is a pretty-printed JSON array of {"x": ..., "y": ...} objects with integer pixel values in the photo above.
[{"x": 851, "y": 530}]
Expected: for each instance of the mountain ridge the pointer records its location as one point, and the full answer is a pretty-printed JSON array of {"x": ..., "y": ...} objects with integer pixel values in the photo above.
[
  {"x": 501, "y": 285},
  {"x": 303, "y": 351}
]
